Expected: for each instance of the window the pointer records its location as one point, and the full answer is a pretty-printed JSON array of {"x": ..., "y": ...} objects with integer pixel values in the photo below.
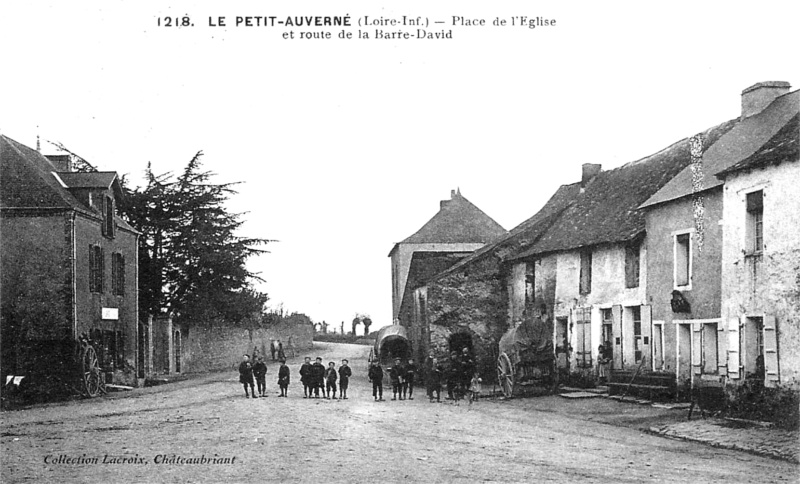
[
  {"x": 755, "y": 222},
  {"x": 585, "y": 284},
  {"x": 118, "y": 274},
  {"x": 608, "y": 326},
  {"x": 632, "y": 265},
  {"x": 683, "y": 260},
  {"x": 583, "y": 334},
  {"x": 108, "y": 217},
  {"x": 96, "y": 268},
  {"x": 530, "y": 285}
]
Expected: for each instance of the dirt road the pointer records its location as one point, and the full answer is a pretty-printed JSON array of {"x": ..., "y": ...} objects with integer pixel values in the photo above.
[{"x": 166, "y": 434}]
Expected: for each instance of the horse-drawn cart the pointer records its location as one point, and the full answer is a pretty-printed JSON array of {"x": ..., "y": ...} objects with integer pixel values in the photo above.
[
  {"x": 526, "y": 357},
  {"x": 91, "y": 378},
  {"x": 390, "y": 343}
]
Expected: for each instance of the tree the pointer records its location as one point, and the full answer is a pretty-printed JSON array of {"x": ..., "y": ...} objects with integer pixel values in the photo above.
[{"x": 191, "y": 262}]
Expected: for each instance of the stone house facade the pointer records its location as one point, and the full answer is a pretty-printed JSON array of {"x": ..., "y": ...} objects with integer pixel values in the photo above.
[
  {"x": 760, "y": 297},
  {"x": 69, "y": 269},
  {"x": 588, "y": 269},
  {"x": 688, "y": 228}
]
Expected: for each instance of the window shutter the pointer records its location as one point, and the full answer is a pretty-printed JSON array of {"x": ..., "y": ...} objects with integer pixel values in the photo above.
[
  {"x": 114, "y": 274},
  {"x": 722, "y": 344},
  {"x": 733, "y": 349},
  {"x": 101, "y": 284},
  {"x": 616, "y": 330},
  {"x": 647, "y": 321},
  {"x": 103, "y": 212},
  {"x": 92, "y": 265},
  {"x": 771, "y": 365},
  {"x": 697, "y": 348},
  {"x": 121, "y": 273},
  {"x": 587, "y": 336}
]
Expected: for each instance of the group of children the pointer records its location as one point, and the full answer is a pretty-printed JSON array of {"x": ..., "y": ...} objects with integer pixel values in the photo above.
[
  {"x": 249, "y": 371},
  {"x": 316, "y": 377},
  {"x": 401, "y": 377},
  {"x": 459, "y": 375}
]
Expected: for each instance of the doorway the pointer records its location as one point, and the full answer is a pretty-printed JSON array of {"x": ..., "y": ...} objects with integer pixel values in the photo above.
[{"x": 562, "y": 343}]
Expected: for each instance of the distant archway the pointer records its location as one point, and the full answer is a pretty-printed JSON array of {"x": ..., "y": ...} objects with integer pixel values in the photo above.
[{"x": 458, "y": 341}]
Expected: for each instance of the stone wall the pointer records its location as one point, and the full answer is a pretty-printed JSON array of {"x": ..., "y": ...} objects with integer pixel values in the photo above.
[
  {"x": 221, "y": 348},
  {"x": 472, "y": 302}
]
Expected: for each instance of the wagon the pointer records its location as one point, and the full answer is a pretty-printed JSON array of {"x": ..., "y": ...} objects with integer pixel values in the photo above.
[
  {"x": 390, "y": 343},
  {"x": 91, "y": 378},
  {"x": 526, "y": 357}
]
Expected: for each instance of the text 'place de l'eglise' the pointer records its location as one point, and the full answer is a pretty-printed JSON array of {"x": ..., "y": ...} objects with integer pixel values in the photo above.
[{"x": 675, "y": 272}]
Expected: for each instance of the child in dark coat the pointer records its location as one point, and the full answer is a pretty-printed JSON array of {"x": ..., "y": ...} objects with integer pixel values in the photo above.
[
  {"x": 283, "y": 378},
  {"x": 246, "y": 376},
  {"x": 305, "y": 377},
  {"x": 376, "y": 377},
  {"x": 396, "y": 378},
  {"x": 330, "y": 381},
  {"x": 260, "y": 373},
  {"x": 344, "y": 379}
]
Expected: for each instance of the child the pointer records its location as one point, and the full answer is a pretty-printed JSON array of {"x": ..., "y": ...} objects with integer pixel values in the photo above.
[
  {"x": 246, "y": 376},
  {"x": 330, "y": 381},
  {"x": 411, "y": 373},
  {"x": 318, "y": 378},
  {"x": 376, "y": 377},
  {"x": 260, "y": 372},
  {"x": 344, "y": 379},
  {"x": 434, "y": 381},
  {"x": 394, "y": 378},
  {"x": 283, "y": 378},
  {"x": 305, "y": 377},
  {"x": 475, "y": 388}
]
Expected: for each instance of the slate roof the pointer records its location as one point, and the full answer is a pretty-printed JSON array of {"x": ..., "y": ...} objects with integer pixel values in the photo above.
[
  {"x": 27, "y": 180},
  {"x": 742, "y": 141},
  {"x": 458, "y": 221},
  {"x": 608, "y": 209},
  {"x": 526, "y": 233},
  {"x": 783, "y": 147},
  {"x": 101, "y": 179}
]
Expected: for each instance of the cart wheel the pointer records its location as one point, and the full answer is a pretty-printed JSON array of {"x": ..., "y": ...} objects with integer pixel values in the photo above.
[
  {"x": 90, "y": 372},
  {"x": 505, "y": 375}
]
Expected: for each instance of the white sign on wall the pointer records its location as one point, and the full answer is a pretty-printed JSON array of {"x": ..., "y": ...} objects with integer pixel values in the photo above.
[{"x": 111, "y": 313}]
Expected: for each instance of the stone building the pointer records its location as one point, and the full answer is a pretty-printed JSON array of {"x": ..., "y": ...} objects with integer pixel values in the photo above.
[
  {"x": 457, "y": 230},
  {"x": 686, "y": 234},
  {"x": 69, "y": 268},
  {"x": 472, "y": 303},
  {"x": 588, "y": 268},
  {"x": 760, "y": 260}
]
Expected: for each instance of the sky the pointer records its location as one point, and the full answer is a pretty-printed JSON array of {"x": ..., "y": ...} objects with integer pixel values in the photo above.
[{"x": 346, "y": 146}]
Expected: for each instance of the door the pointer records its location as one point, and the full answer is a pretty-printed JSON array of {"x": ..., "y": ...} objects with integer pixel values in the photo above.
[
  {"x": 658, "y": 346},
  {"x": 562, "y": 343}
]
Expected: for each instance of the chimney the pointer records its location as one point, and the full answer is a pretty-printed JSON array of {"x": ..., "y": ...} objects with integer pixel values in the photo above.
[
  {"x": 444, "y": 203},
  {"x": 61, "y": 162},
  {"x": 758, "y": 96},
  {"x": 590, "y": 170}
]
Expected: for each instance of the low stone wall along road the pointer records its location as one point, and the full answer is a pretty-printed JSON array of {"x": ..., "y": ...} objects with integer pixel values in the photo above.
[{"x": 204, "y": 430}]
